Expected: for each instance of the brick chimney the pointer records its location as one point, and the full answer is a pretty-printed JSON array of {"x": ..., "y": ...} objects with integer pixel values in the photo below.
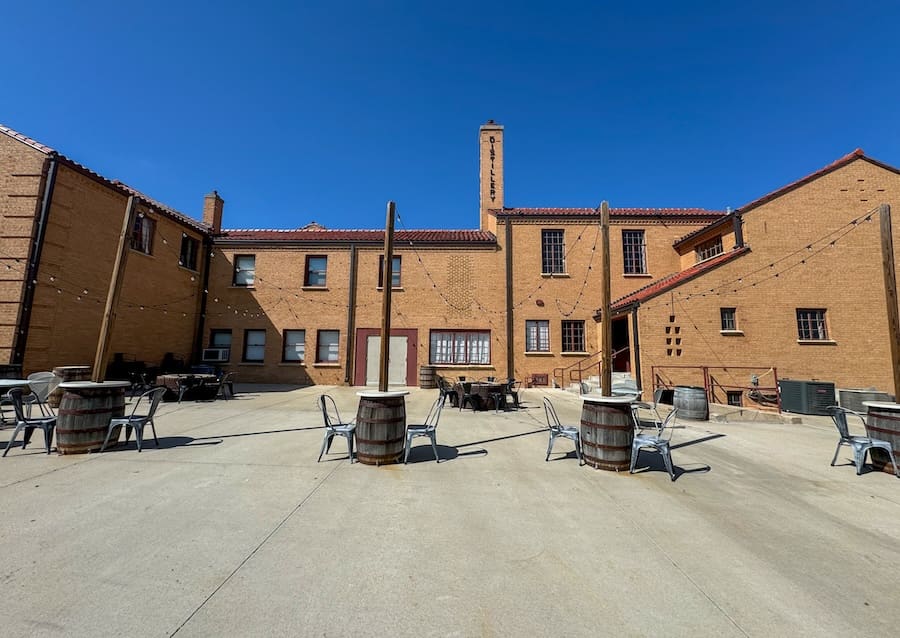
[
  {"x": 212, "y": 212},
  {"x": 490, "y": 144}
]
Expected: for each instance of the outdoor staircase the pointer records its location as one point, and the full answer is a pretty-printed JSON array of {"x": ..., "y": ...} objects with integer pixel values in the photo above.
[{"x": 591, "y": 385}]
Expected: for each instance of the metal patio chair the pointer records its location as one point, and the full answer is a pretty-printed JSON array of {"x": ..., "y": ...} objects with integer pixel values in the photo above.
[
  {"x": 334, "y": 426},
  {"x": 45, "y": 423},
  {"x": 859, "y": 444},
  {"x": 657, "y": 437},
  {"x": 41, "y": 385},
  {"x": 557, "y": 429},
  {"x": 428, "y": 428},
  {"x": 137, "y": 421}
]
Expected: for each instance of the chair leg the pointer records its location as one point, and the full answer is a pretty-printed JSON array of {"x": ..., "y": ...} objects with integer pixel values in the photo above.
[
  {"x": 326, "y": 443},
  {"x": 48, "y": 437},
  {"x": 434, "y": 447},
  {"x": 549, "y": 447},
  {"x": 106, "y": 440},
  {"x": 634, "y": 456},
  {"x": 578, "y": 451},
  {"x": 350, "y": 446},
  {"x": 836, "y": 451},
  {"x": 139, "y": 435},
  {"x": 667, "y": 459},
  {"x": 19, "y": 426},
  {"x": 406, "y": 448},
  {"x": 153, "y": 429},
  {"x": 860, "y": 460}
]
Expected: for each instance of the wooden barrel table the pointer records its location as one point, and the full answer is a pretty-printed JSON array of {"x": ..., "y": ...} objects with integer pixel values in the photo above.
[
  {"x": 67, "y": 373},
  {"x": 883, "y": 422},
  {"x": 85, "y": 411},
  {"x": 691, "y": 403},
  {"x": 380, "y": 427},
  {"x": 427, "y": 378},
  {"x": 607, "y": 432}
]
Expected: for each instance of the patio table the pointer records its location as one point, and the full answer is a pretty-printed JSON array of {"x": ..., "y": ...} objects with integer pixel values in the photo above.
[
  {"x": 173, "y": 381},
  {"x": 485, "y": 390}
]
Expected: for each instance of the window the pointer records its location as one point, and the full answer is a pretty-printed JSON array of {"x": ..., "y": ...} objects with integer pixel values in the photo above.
[
  {"x": 327, "y": 346},
  {"x": 244, "y": 270},
  {"x": 634, "y": 252},
  {"x": 537, "y": 336},
  {"x": 811, "y": 324},
  {"x": 395, "y": 271},
  {"x": 735, "y": 397},
  {"x": 189, "y": 248},
  {"x": 142, "y": 234},
  {"x": 471, "y": 347},
  {"x": 553, "y": 252},
  {"x": 254, "y": 345},
  {"x": 220, "y": 338},
  {"x": 294, "y": 346},
  {"x": 573, "y": 336},
  {"x": 709, "y": 249},
  {"x": 729, "y": 318},
  {"x": 316, "y": 265}
]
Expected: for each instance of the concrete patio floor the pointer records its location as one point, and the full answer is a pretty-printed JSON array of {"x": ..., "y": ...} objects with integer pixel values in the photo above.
[{"x": 231, "y": 528}]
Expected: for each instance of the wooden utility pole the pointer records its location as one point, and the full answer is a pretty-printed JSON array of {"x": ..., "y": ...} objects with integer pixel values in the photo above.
[
  {"x": 388, "y": 283},
  {"x": 606, "y": 303},
  {"x": 890, "y": 291},
  {"x": 112, "y": 297}
]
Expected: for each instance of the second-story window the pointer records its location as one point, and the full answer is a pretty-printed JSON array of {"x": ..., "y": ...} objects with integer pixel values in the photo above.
[
  {"x": 244, "y": 270},
  {"x": 634, "y": 252},
  {"x": 709, "y": 249},
  {"x": 142, "y": 234},
  {"x": 189, "y": 248},
  {"x": 729, "y": 319},
  {"x": 316, "y": 265},
  {"x": 553, "y": 252},
  {"x": 395, "y": 271}
]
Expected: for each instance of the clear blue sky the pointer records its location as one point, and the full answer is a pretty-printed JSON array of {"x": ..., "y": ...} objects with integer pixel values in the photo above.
[{"x": 302, "y": 111}]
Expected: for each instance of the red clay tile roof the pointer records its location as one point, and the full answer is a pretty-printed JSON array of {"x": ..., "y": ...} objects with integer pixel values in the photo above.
[
  {"x": 613, "y": 212},
  {"x": 115, "y": 184},
  {"x": 671, "y": 281},
  {"x": 342, "y": 235}
]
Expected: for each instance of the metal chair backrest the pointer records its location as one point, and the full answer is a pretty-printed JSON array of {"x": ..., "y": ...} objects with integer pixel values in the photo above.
[
  {"x": 667, "y": 424},
  {"x": 154, "y": 396},
  {"x": 15, "y": 395},
  {"x": 42, "y": 384},
  {"x": 434, "y": 414},
  {"x": 839, "y": 416},
  {"x": 552, "y": 419},
  {"x": 330, "y": 413}
]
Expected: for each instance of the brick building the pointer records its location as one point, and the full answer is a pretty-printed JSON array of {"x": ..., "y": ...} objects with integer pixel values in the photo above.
[{"x": 518, "y": 296}]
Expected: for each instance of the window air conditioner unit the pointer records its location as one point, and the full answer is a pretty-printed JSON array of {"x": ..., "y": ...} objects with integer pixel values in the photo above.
[{"x": 216, "y": 354}]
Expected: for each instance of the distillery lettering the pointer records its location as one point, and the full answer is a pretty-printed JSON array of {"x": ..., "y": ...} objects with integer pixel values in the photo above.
[{"x": 493, "y": 182}]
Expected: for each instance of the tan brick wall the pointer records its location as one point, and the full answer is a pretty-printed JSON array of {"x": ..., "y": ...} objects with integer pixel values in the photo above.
[
  {"x": 845, "y": 280},
  {"x": 79, "y": 250},
  {"x": 21, "y": 170},
  {"x": 577, "y": 296}
]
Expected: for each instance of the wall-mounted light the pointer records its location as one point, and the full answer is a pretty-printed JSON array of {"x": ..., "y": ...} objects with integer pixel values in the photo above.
[{"x": 539, "y": 303}]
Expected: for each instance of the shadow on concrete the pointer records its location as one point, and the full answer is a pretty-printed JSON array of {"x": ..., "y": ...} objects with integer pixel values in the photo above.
[
  {"x": 650, "y": 461},
  {"x": 503, "y": 438},
  {"x": 704, "y": 439}
]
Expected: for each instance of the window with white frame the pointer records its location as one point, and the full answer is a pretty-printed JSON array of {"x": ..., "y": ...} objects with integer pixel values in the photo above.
[
  {"x": 634, "y": 252},
  {"x": 811, "y": 324},
  {"x": 709, "y": 249},
  {"x": 244, "y": 270},
  {"x": 553, "y": 252},
  {"x": 467, "y": 347},
  {"x": 327, "y": 342},
  {"x": 254, "y": 346},
  {"x": 294, "y": 349},
  {"x": 142, "y": 234},
  {"x": 573, "y": 336},
  {"x": 537, "y": 335}
]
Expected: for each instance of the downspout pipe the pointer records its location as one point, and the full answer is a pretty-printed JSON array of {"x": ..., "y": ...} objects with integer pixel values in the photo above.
[
  {"x": 351, "y": 316},
  {"x": 20, "y": 341},
  {"x": 636, "y": 346},
  {"x": 510, "y": 350},
  {"x": 738, "y": 230},
  {"x": 204, "y": 297}
]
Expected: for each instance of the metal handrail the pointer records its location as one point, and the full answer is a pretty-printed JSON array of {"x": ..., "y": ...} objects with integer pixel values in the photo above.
[
  {"x": 559, "y": 373},
  {"x": 761, "y": 395}
]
